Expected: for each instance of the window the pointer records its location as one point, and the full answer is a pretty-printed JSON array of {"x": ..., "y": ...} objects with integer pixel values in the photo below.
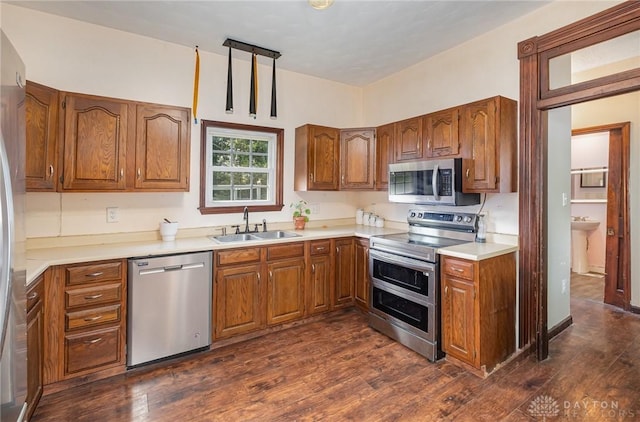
[{"x": 240, "y": 166}]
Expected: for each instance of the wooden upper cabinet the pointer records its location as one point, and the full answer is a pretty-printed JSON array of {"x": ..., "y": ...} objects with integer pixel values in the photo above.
[
  {"x": 357, "y": 159},
  {"x": 489, "y": 145},
  {"x": 408, "y": 140},
  {"x": 161, "y": 148},
  {"x": 41, "y": 167},
  {"x": 441, "y": 134},
  {"x": 95, "y": 142},
  {"x": 317, "y": 158},
  {"x": 384, "y": 154}
]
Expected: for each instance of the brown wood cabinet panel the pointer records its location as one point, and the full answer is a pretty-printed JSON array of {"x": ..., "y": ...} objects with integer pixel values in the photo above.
[
  {"x": 95, "y": 142},
  {"x": 460, "y": 268},
  {"x": 408, "y": 140},
  {"x": 35, "y": 344},
  {"x": 357, "y": 159},
  {"x": 237, "y": 256},
  {"x": 285, "y": 291},
  {"x": 344, "y": 273},
  {"x": 239, "y": 305},
  {"x": 458, "y": 319},
  {"x": 384, "y": 154},
  {"x": 41, "y": 166},
  {"x": 95, "y": 272},
  {"x": 317, "y": 158},
  {"x": 319, "y": 292},
  {"x": 441, "y": 134},
  {"x": 94, "y": 349},
  {"x": 362, "y": 273},
  {"x": 92, "y": 317},
  {"x": 94, "y": 295},
  {"x": 289, "y": 250},
  {"x": 161, "y": 148},
  {"x": 489, "y": 146},
  {"x": 320, "y": 247}
]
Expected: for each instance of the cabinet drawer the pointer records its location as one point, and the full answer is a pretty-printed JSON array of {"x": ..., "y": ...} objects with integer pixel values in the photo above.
[
  {"x": 238, "y": 256},
  {"x": 96, "y": 295},
  {"x": 94, "y": 273},
  {"x": 91, "y": 350},
  {"x": 321, "y": 247},
  {"x": 458, "y": 268},
  {"x": 290, "y": 250},
  {"x": 35, "y": 293},
  {"x": 92, "y": 317}
]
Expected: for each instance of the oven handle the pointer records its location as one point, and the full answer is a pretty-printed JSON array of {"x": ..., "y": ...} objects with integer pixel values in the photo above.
[
  {"x": 397, "y": 259},
  {"x": 435, "y": 183}
]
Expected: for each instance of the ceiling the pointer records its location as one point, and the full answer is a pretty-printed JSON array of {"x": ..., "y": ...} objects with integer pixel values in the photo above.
[{"x": 353, "y": 42}]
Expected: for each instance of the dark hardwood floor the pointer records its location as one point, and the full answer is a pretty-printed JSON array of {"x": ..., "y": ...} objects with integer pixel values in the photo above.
[
  {"x": 339, "y": 369},
  {"x": 587, "y": 286}
]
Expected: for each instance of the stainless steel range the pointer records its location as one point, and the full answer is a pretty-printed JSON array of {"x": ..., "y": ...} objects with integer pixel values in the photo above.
[{"x": 405, "y": 278}]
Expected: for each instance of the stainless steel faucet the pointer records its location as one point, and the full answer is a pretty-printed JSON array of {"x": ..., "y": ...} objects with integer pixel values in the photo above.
[{"x": 245, "y": 217}]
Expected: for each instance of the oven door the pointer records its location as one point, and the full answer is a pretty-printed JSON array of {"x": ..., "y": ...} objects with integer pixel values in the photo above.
[{"x": 414, "y": 278}]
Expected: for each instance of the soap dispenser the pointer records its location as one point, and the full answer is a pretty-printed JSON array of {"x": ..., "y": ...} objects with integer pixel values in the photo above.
[{"x": 481, "y": 234}]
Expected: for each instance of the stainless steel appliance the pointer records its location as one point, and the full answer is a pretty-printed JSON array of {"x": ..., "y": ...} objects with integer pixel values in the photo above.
[
  {"x": 169, "y": 306},
  {"x": 13, "y": 364},
  {"x": 405, "y": 278},
  {"x": 433, "y": 182}
]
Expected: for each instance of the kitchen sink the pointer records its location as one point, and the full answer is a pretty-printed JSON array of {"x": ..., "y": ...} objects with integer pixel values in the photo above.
[
  {"x": 278, "y": 234},
  {"x": 243, "y": 237}
]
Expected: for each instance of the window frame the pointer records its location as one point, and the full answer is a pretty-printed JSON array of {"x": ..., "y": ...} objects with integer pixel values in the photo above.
[{"x": 279, "y": 162}]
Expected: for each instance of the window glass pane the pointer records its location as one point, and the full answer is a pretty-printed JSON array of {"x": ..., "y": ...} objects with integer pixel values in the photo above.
[
  {"x": 221, "y": 195},
  {"x": 261, "y": 179},
  {"x": 261, "y": 147},
  {"x": 221, "y": 178},
  {"x": 220, "y": 159},
  {"x": 606, "y": 58},
  {"x": 242, "y": 145},
  {"x": 260, "y": 193},
  {"x": 261, "y": 161},
  {"x": 241, "y": 160},
  {"x": 221, "y": 144},
  {"x": 242, "y": 194}
]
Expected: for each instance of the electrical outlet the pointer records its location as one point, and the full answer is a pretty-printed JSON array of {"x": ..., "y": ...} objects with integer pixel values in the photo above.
[
  {"x": 112, "y": 215},
  {"x": 313, "y": 208}
]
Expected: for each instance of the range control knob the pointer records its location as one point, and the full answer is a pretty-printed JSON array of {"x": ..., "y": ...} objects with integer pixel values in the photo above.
[
  {"x": 467, "y": 219},
  {"x": 458, "y": 218},
  {"x": 419, "y": 215},
  {"x": 413, "y": 214}
]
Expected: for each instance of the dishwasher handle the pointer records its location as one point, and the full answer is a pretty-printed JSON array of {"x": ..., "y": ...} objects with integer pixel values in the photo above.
[{"x": 179, "y": 267}]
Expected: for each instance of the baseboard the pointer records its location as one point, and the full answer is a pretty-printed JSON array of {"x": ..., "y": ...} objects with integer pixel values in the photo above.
[
  {"x": 634, "y": 309},
  {"x": 564, "y": 324}
]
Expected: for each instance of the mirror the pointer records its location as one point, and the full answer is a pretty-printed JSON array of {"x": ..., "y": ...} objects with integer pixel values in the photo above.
[
  {"x": 589, "y": 185},
  {"x": 596, "y": 179}
]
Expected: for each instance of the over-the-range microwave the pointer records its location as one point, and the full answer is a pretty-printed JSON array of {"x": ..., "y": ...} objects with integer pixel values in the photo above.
[{"x": 431, "y": 182}]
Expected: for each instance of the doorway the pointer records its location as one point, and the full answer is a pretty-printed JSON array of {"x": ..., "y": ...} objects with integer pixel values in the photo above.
[
  {"x": 600, "y": 182},
  {"x": 538, "y": 95}
]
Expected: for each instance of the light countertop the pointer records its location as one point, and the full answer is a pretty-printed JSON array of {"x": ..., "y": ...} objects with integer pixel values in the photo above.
[{"x": 38, "y": 260}]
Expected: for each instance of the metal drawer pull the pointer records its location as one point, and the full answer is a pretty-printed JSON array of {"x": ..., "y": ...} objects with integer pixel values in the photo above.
[
  {"x": 50, "y": 170},
  {"x": 320, "y": 248},
  {"x": 460, "y": 270},
  {"x": 259, "y": 278},
  {"x": 32, "y": 296},
  {"x": 95, "y": 318},
  {"x": 91, "y": 297},
  {"x": 94, "y": 341},
  {"x": 313, "y": 268},
  {"x": 96, "y": 274}
]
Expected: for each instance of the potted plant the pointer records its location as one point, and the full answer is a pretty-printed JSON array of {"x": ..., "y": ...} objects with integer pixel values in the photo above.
[{"x": 300, "y": 213}]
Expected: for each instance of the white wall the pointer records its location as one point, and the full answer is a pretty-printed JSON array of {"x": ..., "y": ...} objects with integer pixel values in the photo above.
[{"x": 75, "y": 56}]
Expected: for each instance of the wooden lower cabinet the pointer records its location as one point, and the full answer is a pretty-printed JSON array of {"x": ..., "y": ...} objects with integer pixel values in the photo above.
[
  {"x": 238, "y": 300},
  {"x": 478, "y": 310},
  {"x": 35, "y": 344},
  {"x": 344, "y": 273},
  {"x": 319, "y": 277},
  {"x": 361, "y": 290},
  {"x": 85, "y": 316},
  {"x": 285, "y": 291}
]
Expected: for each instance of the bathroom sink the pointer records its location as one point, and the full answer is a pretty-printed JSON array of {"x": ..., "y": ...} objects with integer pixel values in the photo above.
[
  {"x": 585, "y": 225},
  {"x": 243, "y": 237},
  {"x": 278, "y": 234}
]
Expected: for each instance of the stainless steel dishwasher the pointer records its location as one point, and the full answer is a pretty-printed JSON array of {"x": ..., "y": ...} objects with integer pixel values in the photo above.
[{"x": 169, "y": 306}]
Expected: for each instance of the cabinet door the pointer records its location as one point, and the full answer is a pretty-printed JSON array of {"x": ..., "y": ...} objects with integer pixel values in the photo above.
[
  {"x": 408, "y": 140},
  {"x": 441, "y": 130},
  {"x": 95, "y": 134},
  {"x": 362, "y": 273},
  {"x": 323, "y": 158},
  {"x": 41, "y": 167},
  {"x": 35, "y": 346},
  {"x": 285, "y": 291},
  {"x": 384, "y": 155},
  {"x": 481, "y": 167},
  {"x": 357, "y": 149},
  {"x": 161, "y": 148},
  {"x": 319, "y": 284},
  {"x": 238, "y": 300},
  {"x": 458, "y": 320},
  {"x": 344, "y": 273}
]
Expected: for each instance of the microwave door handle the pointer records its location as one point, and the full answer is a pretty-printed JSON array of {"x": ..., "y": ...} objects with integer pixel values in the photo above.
[{"x": 434, "y": 183}]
